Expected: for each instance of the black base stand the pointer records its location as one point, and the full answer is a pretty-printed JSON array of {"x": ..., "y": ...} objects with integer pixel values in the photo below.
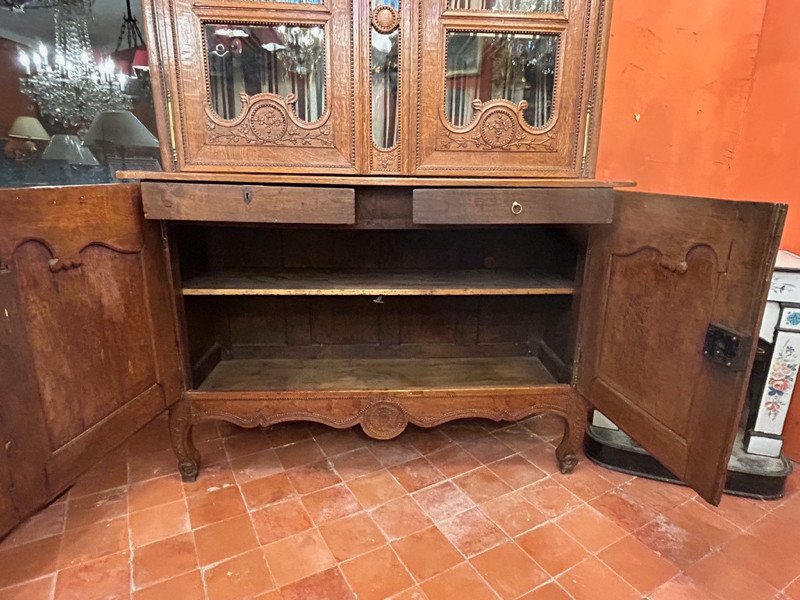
[{"x": 748, "y": 475}]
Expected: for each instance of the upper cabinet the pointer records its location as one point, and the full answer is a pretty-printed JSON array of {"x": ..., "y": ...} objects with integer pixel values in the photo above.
[{"x": 398, "y": 87}]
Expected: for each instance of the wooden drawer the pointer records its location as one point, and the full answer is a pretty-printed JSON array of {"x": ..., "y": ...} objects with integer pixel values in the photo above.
[
  {"x": 527, "y": 206},
  {"x": 248, "y": 203}
]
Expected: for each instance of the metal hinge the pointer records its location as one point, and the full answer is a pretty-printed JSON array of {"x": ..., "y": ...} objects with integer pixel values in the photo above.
[
  {"x": 726, "y": 347},
  {"x": 173, "y": 147}
]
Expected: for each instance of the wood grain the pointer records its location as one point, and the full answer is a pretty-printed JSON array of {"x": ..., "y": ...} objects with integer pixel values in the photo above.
[{"x": 307, "y": 282}]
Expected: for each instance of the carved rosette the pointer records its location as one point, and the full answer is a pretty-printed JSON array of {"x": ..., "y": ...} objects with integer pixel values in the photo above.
[
  {"x": 385, "y": 19},
  {"x": 497, "y": 125},
  {"x": 267, "y": 120},
  {"x": 384, "y": 420}
]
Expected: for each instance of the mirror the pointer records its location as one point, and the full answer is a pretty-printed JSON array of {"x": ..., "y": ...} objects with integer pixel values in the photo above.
[
  {"x": 278, "y": 59},
  {"x": 540, "y": 6}
]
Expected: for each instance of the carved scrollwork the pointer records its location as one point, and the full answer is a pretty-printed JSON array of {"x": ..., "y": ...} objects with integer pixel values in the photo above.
[
  {"x": 497, "y": 125},
  {"x": 387, "y": 161},
  {"x": 267, "y": 120}
]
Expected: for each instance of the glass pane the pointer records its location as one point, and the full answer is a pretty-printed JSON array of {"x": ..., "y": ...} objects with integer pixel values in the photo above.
[
  {"x": 278, "y": 59},
  {"x": 541, "y": 6},
  {"x": 384, "y": 89},
  {"x": 508, "y": 66}
]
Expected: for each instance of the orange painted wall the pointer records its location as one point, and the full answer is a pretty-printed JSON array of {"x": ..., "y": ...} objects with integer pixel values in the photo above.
[{"x": 703, "y": 99}]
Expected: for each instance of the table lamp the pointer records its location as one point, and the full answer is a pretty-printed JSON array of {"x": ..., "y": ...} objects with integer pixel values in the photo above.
[
  {"x": 23, "y": 135},
  {"x": 68, "y": 148}
]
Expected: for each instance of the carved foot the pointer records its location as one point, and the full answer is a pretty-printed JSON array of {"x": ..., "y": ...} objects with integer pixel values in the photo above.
[
  {"x": 180, "y": 431},
  {"x": 568, "y": 451}
]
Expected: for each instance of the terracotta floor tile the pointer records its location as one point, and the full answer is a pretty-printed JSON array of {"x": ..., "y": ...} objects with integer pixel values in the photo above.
[
  {"x": 793, "y": 590},
  {"x": 105, "y": 475},
  {"x": 336, "y": 442},
  {"x": 351, "y": 536},
  {"x": 244, "y": 576},
  {"x": 393, "y": 452},
  {"x": 517, "y": 437},
  {"x": 464, "y": 429},
  {"x": 759, "y": 556},
  {"x": 313, "y": 477},
  {"x": 327, "y": 585},
  {"x": 267, "y": 490},
  {"x": 682, "y": 588},
  {"x": 482, "y": 485},
  {"x": 414, "y": 593},
  {"x": 548, "y": 591},
  {"x": 550, "y": 497},
  {"x": 427, "y": 553},
  {"x": 224, "y": 539},
  {"x": 148, "y": 465},
  {"x": 552, "y": 548},
  {"x": 106, "y": 577},
  {"x": 486, "y": 448},
  {"x": 426, "y": 441},
  {"x": 543, "y": 455},
  {"x": 453, "y": 460},
  {"x": 210, "y": 478},
  {"x": 154, "y": 492},
  {"x": 443, "y": 501},
  {"x": 94, "y": 541},
  {"x": 729, "y": 580},
  {"x": 779, "y": 533},
  {"x": 592, "y": 530},
  {"x": 298, "y": 557},
  {"x": 299, "y": 453},
  {"x": 36, "y": 589},
  {"x": 376, "y": 489},
  {"x": 330, "y": 503},
  {"x": 657, "y": 495},
  {"x": 281, "y": 520},
  {"x": 28, "y": 561},
  {"x": 376, "y": 575},
  {"x": 638, "y": 565},
  {"x": 741, "y": 511},
  {"x": 461, "y": 581},
  {"x": 188, "y": 586},
  {"x": 623, "y": 510},
  {"x": 472, "y": 532},
  {"x": 159, "y": 522},
  {"x": 205, "y": 431},
  {"x": 584, "y": 580},
  {"x": 616, "y": 477},
  {"x": 103, "y": 506},
  {"x": 513, "y": 513},
  {"x": 671, "y": 541},
  {"x": 517, "y": 471},
  {"x": 164, "y": 559},
  {"x": 356, "y": 463},
  {"x": 509, "y": 570},
  {"x": 255, "y": 466},
  {"x": 283, "y": 434},
  {"x": 153, "y": 436},
  {"x": 214, "y": 506},
  {"x": 548, "y": 427},
  {"x": 416, "y": 474},
  {"x": 246, "y": 442},
  {"x": 400, "y": 517},
  {"x": 212, "y": 453},
  {"x": 46, "y": 523},
  {"x": 703, "y": 522},
  {"x": 584, "y": 482}
]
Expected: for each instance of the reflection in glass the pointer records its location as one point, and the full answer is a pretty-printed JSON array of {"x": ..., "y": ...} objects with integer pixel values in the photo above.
[
  {"x": 541, "y": 6},
  {"x": 384, "y": 89},
  {"x": 509, "y": 66},
  {"x": 278, "y": 59}
]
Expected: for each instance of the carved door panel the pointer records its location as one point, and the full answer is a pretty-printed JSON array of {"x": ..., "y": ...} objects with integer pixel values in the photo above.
[
  {"x": 673, "y": 297},
  {"x": 88, "y": 350},
  {"x": 505, "y": 87},
  {"x": 261, "y": 86}
]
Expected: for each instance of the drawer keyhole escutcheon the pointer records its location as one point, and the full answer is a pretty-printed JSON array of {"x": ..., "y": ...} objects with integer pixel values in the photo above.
[{"x": 516, "y": 208}]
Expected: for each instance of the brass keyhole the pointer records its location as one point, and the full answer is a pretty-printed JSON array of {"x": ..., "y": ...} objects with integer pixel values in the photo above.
[{"x": 516, "y": 208}]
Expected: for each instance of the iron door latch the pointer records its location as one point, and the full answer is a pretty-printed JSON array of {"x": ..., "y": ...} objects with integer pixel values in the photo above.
[{"x": 726, "y": 347}]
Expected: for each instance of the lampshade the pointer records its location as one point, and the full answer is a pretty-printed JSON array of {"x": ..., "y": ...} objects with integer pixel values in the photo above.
[
  {"x": 69, "y": 148},
  {"x": 141, "y": 61},
  {"x": 27, "y": 128},
  {"x": 119, "y": 128}
]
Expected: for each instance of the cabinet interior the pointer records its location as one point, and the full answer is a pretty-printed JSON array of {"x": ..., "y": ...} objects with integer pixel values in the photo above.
[{"x": 299, "y": 308}]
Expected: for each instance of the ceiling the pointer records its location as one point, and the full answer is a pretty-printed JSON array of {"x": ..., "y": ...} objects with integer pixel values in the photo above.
[{"x": 36, "y": 25}]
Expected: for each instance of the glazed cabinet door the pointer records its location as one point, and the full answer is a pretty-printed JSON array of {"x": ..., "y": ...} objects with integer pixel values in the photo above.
[
  {"x": 507, "y": 87},
  {"x": 258, "y": 86},
  {"x": 88, "y": 350},
  {"x": 673, "y": 296}
]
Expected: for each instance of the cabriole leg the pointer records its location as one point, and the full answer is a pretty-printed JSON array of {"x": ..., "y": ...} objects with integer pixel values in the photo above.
[
  {"x": 180, "y": 430},
  {"x": 568, "y": 451}
]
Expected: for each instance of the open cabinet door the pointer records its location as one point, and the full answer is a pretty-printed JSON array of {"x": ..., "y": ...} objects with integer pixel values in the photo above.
[
  {"x": 88, "y": 349},
  {"x": 673, "y": 296}
]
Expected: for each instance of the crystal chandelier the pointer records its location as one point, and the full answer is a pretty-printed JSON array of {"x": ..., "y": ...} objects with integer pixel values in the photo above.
[{"x": 68, "y": 85}]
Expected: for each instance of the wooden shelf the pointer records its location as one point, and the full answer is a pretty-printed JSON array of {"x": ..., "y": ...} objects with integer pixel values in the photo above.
[
  {"x": 376, "y": 374},
  {"x": 304, "y": 282}
]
